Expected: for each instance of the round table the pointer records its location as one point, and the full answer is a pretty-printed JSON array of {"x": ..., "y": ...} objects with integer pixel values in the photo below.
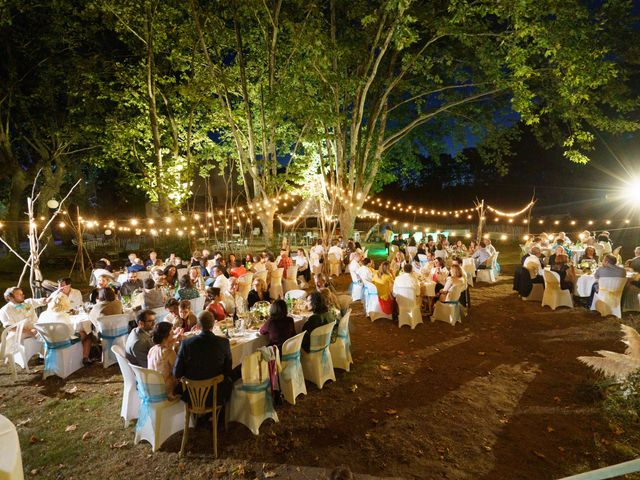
[{"x": 10, "y": 458}]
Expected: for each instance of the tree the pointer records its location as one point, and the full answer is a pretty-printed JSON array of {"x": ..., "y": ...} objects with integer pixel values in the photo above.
[{"x": 399, "y": 71}]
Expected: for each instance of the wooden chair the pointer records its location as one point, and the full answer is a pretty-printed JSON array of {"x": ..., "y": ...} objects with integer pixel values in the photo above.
[{"x": 199, "y": 391}]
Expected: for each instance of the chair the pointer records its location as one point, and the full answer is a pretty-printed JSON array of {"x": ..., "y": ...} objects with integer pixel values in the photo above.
[
  {"x": 334, "y": 265},
  {"x": 199, "y": 391},
  {"x": 392, "y": 251},
  {"x": 412, "y": 252},
  {"x": 197, "y": 304},
  {"x": 469, "y": 267},
  {"x": 341, "y": 349},
  {"x": 25, "y": 348},
  {"x": 607, "y": 299},
  {"x": 554, "y": 296},
  {"x": 159, "y": 417},
  {"x": 295, "y": 294},
  {"x": 244, "y": 285},
  {"x": 130, "y": 398},
  {"x": 63, "y": 354},
  {"x": 291, "y": 282},
  {"x": 488, "y": 275},
  {"x": 261, "y": 275},
  {"x": 113, "y": 330},
  {"x": 317, "y": 365},
  {"x": 423, "y": 259},
  {"x": 449, "y": 311},
  {"x": 408, "y": 307},
  {"x": 251, "y": 401},
  {"x": 344, "y": 302},
  {"x": 275, "y": 284},
  {"x": 291, "y": 377},
  {"x": 7, "y": 351},
  {"x": 10, "y": 455},
  {"x": 537, "y": 292},
  {"x": 356, "y": 286},
  {"x": 372, "y": 304}
]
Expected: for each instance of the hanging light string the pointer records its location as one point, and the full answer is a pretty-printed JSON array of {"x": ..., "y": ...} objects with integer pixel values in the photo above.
[{"x": 511, "y": 214}]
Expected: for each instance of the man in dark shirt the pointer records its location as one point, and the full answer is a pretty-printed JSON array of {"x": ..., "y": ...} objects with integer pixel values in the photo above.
[
  {"x": 205, "y": 356},
  {"x": 139, "y": 341}
]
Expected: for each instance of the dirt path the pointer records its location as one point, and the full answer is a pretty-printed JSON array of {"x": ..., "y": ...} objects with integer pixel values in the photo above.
[{"x": 500, "y": 396}]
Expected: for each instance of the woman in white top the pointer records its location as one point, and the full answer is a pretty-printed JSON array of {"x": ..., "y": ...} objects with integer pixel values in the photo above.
[
  {"x": 439, "y": 273},
  {"x": 303, "y": 265}
]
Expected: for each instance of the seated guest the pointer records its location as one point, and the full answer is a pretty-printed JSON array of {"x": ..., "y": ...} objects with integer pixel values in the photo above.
[
  {"x": 216, "y": 307},
  {"x": 157, "y": 274},
  {"x": 205, "y": 356},
  {"x": 460, "y": 247},
  {"x": 303, "y": 265},
  {"x": 218, "y": 280},
  {"x": 587, "y": 239},
  {"x": 186, "y": 319},
  {"x": 366, "y": 270},
  {"x": 634, "y": 263},
  {"x": 152, "y": 297},
  {"x": 284, "y": 261},
  {"x": 161, "y": 356},
  {"x": 58, "y": 311},
  {"x": 131, "y": 259},
  {"x": 104, "y": 281},
  {"x": 137, "y": 266},
  {"x": 195, "y": 275},
  {"x": 173, "y": 260},
  {"x": 397, "y": 262},
  {"x": 335, "y": 250},
  {"x": 406, "y": 280},
  {"x": 439, "y": 273},
  {"x": 74, "y": 295},
  {"x": 481, "y": 255},
  {"x": 171, "y": 275},
  {"x": 132, "y": 284},
  {"x": 139, "y": 341},
  {"x": 186, "y": 290},
  {"x": 558, "y": 251},
  {"x": 332, "y": 303},
  {"x": 440, "y": 251},
  {"x": 456, "y": 279},
  {"x": 490, "y": 248},
  {"x": 173, "y": 307},
  {"x": 238, "y": 269},
  {"x": 605, "y": 241},
  {"x": 609, "y": 269},
  {"x": 567, "y": 274},
  {"x": 354, "y": 263},
  {"x": 383, "y": 280},
  {"x": 106, "y": 304},
  {"x": 105, "y": 264},
  {"x": 321, "y": 316},
  {"x": 534, "y": 265},
  {"x": 589, "y": 256},
  {"x": 18, "y": 309},
  {"x": 258, "y": 292},
  {"x": 152, "y": 261},
  {"x": 279, "y": 326},
  {"x": 258, "y": 264}
]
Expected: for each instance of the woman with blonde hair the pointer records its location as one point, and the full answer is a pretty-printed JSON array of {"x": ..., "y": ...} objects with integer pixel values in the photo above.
[
  {"x": 455, "y": 279},
  {"x": 383, "y": 280},
  {"x": 397, "y": 262},
  {"x": 258, "y": 292},
  {"x": 196, "y": 278}
]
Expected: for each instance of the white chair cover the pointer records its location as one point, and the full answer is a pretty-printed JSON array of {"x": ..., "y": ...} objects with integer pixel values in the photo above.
[
  {"x": 317, "y": 364},
  {"x": 197, "y": 304},
  {"x": 372, "y": 304},
  {"x": 7, "y": 351},
  {"x": 344, "y": 303},
  {"x": 449, "y": 311},
  {"x": 584, "y": 284},
  {"x": 356, "y": 286},
  {"x": 553, "y": 296},
  {"x": 262, "y": 274},
  {"x": 130, "y": 398},
  {"x": 334, "y": 265},
  {"x": 295, "y": 294},
  {"x": 537, "y": 292},
  {"x": 408, "y": 307},
  {"x": 275, "y": 284},
  {"x": 341, "y": 348},
  {"x": 158, "y": 418},
  {"x": 314, "y": 263},
  {"x": 113, "y": 330},
  {"x": 488, "y": 274},
  {"x": 607, "y": 300},
  {"x": 244, "y": 285},
  {"x": 412, "y": 252},
  {"x": 392, "y": 251},
  {"x": 291, "y": 282},
  {"x": 25, "y": 348},
  {"x": 10, "y": 456},
  {"x": 469, "y": 267},
  {"x": 63, "y": 355},
  {"x": 251, "y": 400},
  {"x": 291, "y": 377}
]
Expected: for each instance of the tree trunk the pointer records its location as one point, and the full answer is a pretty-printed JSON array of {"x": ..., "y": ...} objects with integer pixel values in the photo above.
[
  {"x": 18, "y": 186},
  {"x": 347, "y": 220},
  {"x": 266, "y": 220}
]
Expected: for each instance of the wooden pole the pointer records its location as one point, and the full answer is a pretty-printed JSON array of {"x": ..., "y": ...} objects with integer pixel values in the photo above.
[{"x": 481, "y": 219}]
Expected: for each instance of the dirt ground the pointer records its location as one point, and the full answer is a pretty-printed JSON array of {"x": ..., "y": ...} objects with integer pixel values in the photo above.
[{"x": 500, "y": 396}]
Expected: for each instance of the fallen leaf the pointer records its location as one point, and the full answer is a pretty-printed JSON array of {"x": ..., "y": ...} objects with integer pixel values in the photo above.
[
  {"x": 538, "y": 454},
  {"x": 550, "y": 429},
  {"x": 384, "y": 367},
  {"x": 221, "y": 471},
  {"x": 34, "y": 471},
  {"x": 121, "y": 444},
  {"x": 86, "y": 435},
  {"x": 237, "y": 470},
  {"x": 390, "y": 411},
  {"x": 33, "y": 439},
  {"x": 504, "y": 421},
  {"x": 353, "y": 388},
  {"x": 70, "y": 428},
  {"x": 181, "y": 466},
  {"x": 482, "y": 354},
  {"x": 556, "y": 399},
  {"x": 73, "y": 390},
  {"x": 487, "y": 448},
  {"x": 617, "y": 430},
  {"x": 23, "y": 422},
  {"x": 561, "y": 449},
  {"x": 374, "y": 420},
  {"x": 270, "y": 474}
]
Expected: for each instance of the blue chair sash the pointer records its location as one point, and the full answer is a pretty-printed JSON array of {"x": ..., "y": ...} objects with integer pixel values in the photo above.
[
  {"x": 110, "y": 335},
  {"x": 347, "y": 341},
  {"x": 324, "y": 349},
  {"x": 291, "y": 368},
  {"x": 261, "y": 387},
  {"x": 150, "y": 393},
  {"x": 50, "y": 357}
]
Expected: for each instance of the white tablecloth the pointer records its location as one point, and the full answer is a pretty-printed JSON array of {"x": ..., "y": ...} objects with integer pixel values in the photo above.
[
  {"x": 81, "y": 323},
  {"x": 584, "y": 284},
  {"x": 428, "y": 289},
  {"x": 10, "y": 458}
]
